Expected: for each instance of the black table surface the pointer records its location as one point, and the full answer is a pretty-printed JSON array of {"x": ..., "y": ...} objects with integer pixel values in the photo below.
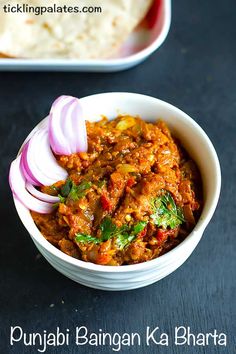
[{"x": 195, "y": 69}]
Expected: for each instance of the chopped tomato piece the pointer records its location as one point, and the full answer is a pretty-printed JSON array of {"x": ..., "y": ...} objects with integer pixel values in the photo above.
[
  {"x": 142, "y": 233},
  {"x": 130, "y": 182},
  {"x": 106, "y": 203},
  {"x": 162, "y": 235}
]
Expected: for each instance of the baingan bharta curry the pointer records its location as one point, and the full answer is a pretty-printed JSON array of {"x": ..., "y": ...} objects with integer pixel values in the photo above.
[{"x": 134, "y": 195}]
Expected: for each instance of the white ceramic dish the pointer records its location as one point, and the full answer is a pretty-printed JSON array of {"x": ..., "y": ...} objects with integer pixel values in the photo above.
[
  {"x": 201, "y": 150},
  {"x": 141, "y": 43}
]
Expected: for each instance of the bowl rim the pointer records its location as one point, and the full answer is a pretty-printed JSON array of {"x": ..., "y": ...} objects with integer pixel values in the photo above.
[{"x": 37, "y": 236}]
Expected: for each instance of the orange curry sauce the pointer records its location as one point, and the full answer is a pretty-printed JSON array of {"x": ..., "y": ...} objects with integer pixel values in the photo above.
[{"x": 132, "y": 197}]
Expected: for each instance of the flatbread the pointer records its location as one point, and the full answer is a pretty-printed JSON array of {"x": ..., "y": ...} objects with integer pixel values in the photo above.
[{"x": 69, "y": 35}]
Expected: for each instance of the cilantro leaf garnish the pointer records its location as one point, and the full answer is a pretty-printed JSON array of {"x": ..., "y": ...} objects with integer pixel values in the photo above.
[
  {"x": 124, "y": 239},
  {"x": 124, "y": 235},
  {"x": 65, "y": 189},
  {"x": 108, "y": 229},
  {"x": 72, "y": 191},
  {"x": 137, "y": 228},
  {"x": 165, "y": 212},
  {"x": 83, "y": 238},
  {"x": 61, "y": 198}
]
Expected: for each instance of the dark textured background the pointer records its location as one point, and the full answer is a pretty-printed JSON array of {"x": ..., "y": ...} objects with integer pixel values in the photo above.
[{"x": 195, "y": 70}]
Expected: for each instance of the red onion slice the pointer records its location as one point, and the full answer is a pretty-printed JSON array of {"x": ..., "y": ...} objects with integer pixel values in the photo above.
[
  {"x": 41, "y": 196},
  {"x": 38, "y": 163},
  {"x": 67, "y": 127},
  {"x": 17, "y": 184},
  {"x": 25, "y": 167}
]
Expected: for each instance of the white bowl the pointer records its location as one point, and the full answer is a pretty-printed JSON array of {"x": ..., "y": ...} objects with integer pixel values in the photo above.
[{"x": 200, "y": 148}]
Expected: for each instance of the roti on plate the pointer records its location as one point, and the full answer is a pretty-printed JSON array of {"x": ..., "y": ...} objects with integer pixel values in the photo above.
[{"x": 69, "y": 35}]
